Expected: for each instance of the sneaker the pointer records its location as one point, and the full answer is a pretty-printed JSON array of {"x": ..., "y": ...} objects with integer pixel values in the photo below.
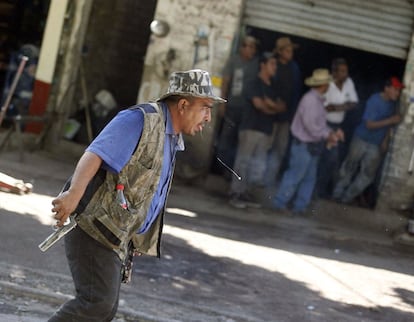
[
  {"x": 249, "y": 201},
  {"x": 236, "y": 202}
]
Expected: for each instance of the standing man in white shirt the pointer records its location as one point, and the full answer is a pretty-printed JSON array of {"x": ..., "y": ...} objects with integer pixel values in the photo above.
[{"x": 340, "y": 98}]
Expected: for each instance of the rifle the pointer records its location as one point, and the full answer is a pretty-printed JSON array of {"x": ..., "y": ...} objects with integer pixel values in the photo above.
[{"x": 53, "y": 238}]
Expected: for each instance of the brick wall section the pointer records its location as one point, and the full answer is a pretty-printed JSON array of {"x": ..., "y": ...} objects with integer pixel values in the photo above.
[
  {"x": 116, "y": 43},
  {"x": 398, "y": 185}
]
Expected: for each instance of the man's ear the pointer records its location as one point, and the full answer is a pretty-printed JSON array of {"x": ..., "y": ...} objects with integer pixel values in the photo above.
[{"x": 182, "y": 103}]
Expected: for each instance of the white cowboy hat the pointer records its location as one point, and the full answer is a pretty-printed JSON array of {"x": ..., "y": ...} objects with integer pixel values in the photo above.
[{"x": 319, "y": 77}]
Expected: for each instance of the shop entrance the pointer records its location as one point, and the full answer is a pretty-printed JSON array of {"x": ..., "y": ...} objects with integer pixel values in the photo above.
[
  {"x": 113, "y": 54},
  {"x": 367, "y": 70}
]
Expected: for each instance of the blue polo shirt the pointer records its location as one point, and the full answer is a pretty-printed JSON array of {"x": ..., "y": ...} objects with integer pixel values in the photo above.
[
  {"x": 116, "y": 144},
  {"x": 376, "y": 109}
]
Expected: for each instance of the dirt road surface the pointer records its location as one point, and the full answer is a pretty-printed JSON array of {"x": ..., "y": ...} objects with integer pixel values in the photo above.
[{"x": 218, "y": 263}]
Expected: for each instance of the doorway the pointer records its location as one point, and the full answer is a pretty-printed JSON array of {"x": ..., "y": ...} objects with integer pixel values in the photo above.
[
  {"x": 22, "y": 23},
  {"x": 367, "y": 70},
  {"x": 113, "y": 55}
]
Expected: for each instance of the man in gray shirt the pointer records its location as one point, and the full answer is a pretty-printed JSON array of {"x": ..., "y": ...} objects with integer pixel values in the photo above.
[{"x": 239, "y": 71}]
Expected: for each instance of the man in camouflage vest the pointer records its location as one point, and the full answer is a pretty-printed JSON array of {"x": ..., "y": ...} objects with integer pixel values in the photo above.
[{"x": 136, "y": 149}]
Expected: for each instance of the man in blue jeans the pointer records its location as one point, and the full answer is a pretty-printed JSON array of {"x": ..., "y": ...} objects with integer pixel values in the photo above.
[
  {"x": 364, "y": 157},
  {"x": 310, "y": 134}
]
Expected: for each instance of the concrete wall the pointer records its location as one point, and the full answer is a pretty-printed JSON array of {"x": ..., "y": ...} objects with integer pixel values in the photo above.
[
  {"x": 397, "y": 187},
  {"x": 201, "y": 36}
]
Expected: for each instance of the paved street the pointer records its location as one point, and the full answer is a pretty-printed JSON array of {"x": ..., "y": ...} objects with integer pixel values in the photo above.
[{"x": 218, "y": 264}]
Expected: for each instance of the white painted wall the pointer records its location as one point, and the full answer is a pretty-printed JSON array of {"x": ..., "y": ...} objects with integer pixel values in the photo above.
[
  {"x": 397, "y": 182},
  {"x": 51, "y": 41}
]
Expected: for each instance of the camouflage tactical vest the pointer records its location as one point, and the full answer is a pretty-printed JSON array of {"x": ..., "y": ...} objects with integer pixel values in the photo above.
[{"x": 105, "y": 220}]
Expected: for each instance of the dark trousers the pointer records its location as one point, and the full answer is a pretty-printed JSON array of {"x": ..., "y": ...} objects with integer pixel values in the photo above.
[
  {"x": 229, "y": 136},
  {"x": 96, "y": 273},
  {"x": 328, "y": 169}
]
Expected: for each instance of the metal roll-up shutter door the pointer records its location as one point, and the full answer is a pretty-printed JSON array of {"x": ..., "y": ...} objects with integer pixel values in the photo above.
[{"x": 381, "y": 26}]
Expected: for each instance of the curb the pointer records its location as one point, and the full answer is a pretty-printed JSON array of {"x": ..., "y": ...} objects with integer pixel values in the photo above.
[{"x": 214, "y": 190}]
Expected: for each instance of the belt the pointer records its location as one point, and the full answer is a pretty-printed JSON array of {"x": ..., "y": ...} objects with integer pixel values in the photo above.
[{"x": 296, "y": 141}]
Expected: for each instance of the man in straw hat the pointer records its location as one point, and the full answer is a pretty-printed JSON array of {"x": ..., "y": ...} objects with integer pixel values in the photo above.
[
  {"x": 134, "y": 152},
  {"x": 310, "y": 134}
]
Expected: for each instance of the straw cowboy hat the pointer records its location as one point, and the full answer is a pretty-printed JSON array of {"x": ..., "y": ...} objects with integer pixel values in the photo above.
[
  {"x": 282, "y": 43},
  {"x": 319, "y": 77},
  {"x": 195, "y": 82}
]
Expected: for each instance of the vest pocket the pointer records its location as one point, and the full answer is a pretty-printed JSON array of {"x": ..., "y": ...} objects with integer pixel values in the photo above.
[
  {"x": 116, "y": 223},
  {"x": 122, "y": 218}
]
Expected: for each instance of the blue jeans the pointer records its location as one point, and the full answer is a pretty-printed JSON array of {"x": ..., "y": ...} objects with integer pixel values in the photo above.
[
  {"x": 358, "y": 170},
  {"x": 298, "y": 179},
  {"x": 328, "y": 169},
  {"x": 96, "y": 273}
]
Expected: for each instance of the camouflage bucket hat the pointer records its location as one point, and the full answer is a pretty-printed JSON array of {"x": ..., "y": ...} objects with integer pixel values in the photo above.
[{"x": 195, "y": 82}]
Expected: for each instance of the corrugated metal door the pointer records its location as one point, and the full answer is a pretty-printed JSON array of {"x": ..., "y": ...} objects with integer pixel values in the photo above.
[{"x": 380, "y": 26}]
